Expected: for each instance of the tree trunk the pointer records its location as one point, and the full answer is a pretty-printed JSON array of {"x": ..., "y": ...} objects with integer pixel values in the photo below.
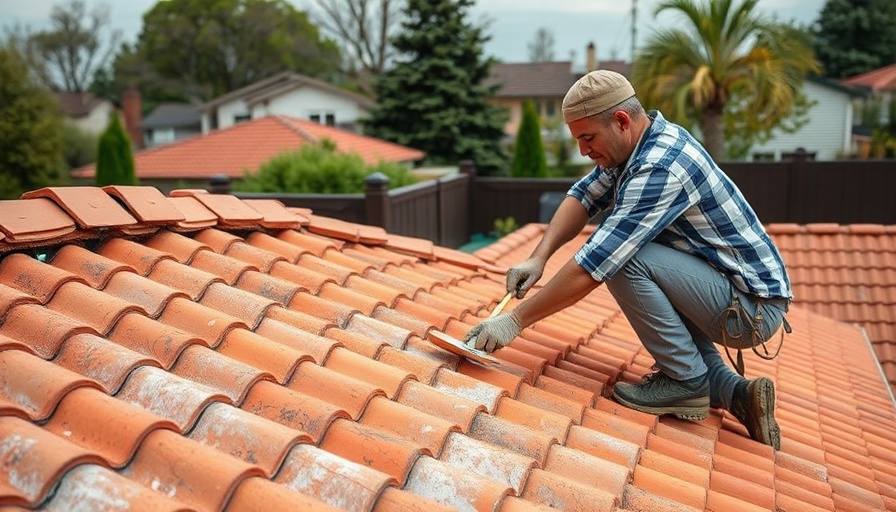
[{"x": 714, "y": 133}]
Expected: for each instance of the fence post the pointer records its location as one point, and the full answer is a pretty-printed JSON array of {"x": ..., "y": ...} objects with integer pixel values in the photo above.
[
  {"x": 468, "y": 167},
  {"x": 376, "y": 200}
]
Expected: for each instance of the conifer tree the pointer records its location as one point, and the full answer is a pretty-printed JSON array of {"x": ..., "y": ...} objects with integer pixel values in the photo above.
[
  {"x": 114, "y": 158},
  {"x": 529, "y": 160},
  {"x": 433, "y": 99}
]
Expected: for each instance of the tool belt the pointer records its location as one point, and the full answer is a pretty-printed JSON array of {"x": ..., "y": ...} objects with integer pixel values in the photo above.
[{"x": 737, "y": 319}]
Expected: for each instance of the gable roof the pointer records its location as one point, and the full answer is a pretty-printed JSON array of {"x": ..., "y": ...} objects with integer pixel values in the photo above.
[
  {"x": 531, "y": 79},
  {"x": 247, "y": 145},
  {"x": 172, "y": 115},
  {"x": 198, "y": 351},
  {"x": 78, "y": 104},
  {"x": 877, "y": 79},
  {"x": 280, "y": 83},
  {"x": 846, "y": 272}
]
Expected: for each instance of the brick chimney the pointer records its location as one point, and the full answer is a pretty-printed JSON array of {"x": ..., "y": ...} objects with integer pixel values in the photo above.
[
  {"x": 590, "y": 57},
  {"x": 132, "y": 108}
]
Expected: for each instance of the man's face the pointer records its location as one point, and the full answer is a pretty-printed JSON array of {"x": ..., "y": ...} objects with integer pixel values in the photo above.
[{"x": 607, "y": 145}]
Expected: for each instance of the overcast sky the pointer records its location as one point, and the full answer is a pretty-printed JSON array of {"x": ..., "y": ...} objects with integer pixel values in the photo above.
[{"x": 512, "y": 24}]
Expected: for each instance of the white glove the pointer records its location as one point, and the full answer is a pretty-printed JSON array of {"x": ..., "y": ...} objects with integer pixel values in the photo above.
[
  {"x": 494, "y": 333},
  {"x": 522, "y": 276}
]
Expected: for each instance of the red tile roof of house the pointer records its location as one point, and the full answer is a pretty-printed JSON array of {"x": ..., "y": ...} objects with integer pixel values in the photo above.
[
  {"x": 200, "y": 352},
  {"x": 847, "y": 272},
  {"x": 877, "y": 79},
  {"x": 245, "y": 146}
]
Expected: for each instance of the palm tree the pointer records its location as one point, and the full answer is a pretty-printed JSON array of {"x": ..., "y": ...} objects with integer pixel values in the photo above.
[{"x": 725, "y": 55}]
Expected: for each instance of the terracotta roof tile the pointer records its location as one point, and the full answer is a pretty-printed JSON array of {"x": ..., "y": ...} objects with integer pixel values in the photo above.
[
  {"x": 32, "y": 220},
  {"x": 295, "y": 366}
]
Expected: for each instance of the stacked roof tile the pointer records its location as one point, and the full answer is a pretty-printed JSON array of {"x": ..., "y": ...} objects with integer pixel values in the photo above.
[
  {"x": 848, "y": 273},
  {"x": 200, "y": 352}
]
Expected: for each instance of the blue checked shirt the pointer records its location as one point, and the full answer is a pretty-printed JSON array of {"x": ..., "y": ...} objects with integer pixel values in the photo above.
[{"x": 670, "y": 191}]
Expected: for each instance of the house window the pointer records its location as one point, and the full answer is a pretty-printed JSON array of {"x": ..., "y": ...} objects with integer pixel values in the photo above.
[
  {"x": 327, "y": 118},
  {"x": 239, "y": 118}
]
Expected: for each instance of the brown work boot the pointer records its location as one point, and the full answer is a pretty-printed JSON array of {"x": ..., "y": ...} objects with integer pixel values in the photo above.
[
  {"x": 754, "y": 406},
  {"x": 660, "y": 394}
]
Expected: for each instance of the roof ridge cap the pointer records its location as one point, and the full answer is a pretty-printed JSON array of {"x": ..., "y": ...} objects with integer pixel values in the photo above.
[{"x": 290, "y": 123}]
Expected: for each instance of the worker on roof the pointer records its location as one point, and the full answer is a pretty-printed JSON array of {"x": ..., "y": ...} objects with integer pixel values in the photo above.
[{"x": 679, "y": 248}]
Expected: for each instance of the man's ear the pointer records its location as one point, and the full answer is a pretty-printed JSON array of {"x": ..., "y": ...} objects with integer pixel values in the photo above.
[{"x": 622, "y": 119}]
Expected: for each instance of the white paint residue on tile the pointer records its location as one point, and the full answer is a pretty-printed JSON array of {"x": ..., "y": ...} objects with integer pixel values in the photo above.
[
  {"x": 88, "y": 488},
  {"x": 13, "y": 449}
]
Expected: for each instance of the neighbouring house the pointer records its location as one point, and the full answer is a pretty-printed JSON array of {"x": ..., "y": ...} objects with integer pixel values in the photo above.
[
  {"x": 288, "y": 94},
  {"x": 171, "y": 122},
  {"x": 86, "y": 111},
  {"x": 828, "y": 131},
  {"x": 243, "y": 147},
  {"x": 880, "y": 85}
]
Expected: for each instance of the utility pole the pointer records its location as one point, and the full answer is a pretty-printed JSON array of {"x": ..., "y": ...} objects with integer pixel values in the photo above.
[{"x": 634, "y": 27}]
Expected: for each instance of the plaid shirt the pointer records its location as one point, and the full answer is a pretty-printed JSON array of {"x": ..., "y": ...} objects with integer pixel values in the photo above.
[{"x": 670, "y": 191}]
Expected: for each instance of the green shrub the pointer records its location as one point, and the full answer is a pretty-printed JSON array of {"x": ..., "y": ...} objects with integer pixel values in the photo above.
[
  {"x": 114, "y": 158},
  {"x": 319, "y": 169},
  {"x": 78, "y": 146},
  {"x": 529, "y": 159}
]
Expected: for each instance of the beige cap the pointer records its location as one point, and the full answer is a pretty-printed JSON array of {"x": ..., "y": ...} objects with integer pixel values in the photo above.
[{"x": 594, "y": 93}]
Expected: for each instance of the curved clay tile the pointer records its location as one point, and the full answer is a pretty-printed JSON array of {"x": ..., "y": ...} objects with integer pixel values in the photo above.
[
  {"x": 429, "y": 317},
  {"x": 308, "y": 242},
  {"x": 545, "y": 400},
  {"x": 140, "y": 291},
  {"x": 456, "y": 487},
  {"x": 372, "y": 447},
  {"x": 338, "y": 482},
  {"x": 101, "y": 360},
  {"x": 277, "y": 359},
  {"x": 433, "y": 353},
  {"x": 192, "y": 281},
  {"x": 292, "y": 408},
  {"x": 253, "y": 439},
  {"x": 106, "y": 486},
  {"x": 385, "y": 377},
  {"x": 261, "y": 495},
  {"x": 117, "y": 437},
  {"x": 181, "y": 247},
  {"x": 448, "y": 305},
  {"x": 152, "y": 338},
  {"x": 138, "y": 256},
  {"x": 316, "y": 347},
  {"x": 508, "y": 377},
  {"x": 96, "y": 309},
  {"x": 246, "y": 306},
  {"x": 168, "y": 395},
  {"x": 342, "y": 259},
  {"x": 480, "y": 392},
  {"x": 424, "y": 430},
  {"x": 346, "y": 391},
  {"x": 34, "y": 460},
  {"x": 196, "y": 216},
  {"x": 377, "y": 257},
  {"x": 217, "y": 240},
  {"x": 304, "y": 321},
  {"x": 93, "y": 268},
  {"x": 35, "y": 386},
  {"x": 560, "y": 492},
  {"x": 205, "y": 366},
  {"x": 532, "y": 417},
  {"x": 10, "y": 298},
  {"x": 385, "y": 294},
  {"x": 206, "y": 483},
  {"x": 42, "y": 330},
  {"x": 332, "y": 270},
  {"x": 230, "y": 270},
  {"x": 269, "y": 243},
  {"x": 279, "y": 290},
  {"x": 441, "y": 404},
  {"x": 199, "y": 320},
  {"x": 604, "y": 446},
  {"x": 360, "y": 300},
  {"x": 393, "y": 498},
  {"x": 306, "y": 278},
  {"x": 518, "y": 438},
  {"x": 487, "y": 460},
  {"x": 262, "y": 259},
  {"x": 314, "y": 305},
  {"x": 147, "y": 204},
  {"x": 275, "y": 215},
  {"x": 34, "y": 277},
  {"x": 379, "y": 330},
  {"x": 423, "y": 368}
]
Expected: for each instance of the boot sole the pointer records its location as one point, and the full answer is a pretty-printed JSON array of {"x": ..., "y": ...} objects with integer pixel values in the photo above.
[
  {"x": 762, "y": 403},
  {"x": 697, "y": 410}
]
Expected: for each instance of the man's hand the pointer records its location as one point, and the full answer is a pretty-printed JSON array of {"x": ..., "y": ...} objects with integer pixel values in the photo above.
[
  {"x": 494, "y": 333},
  {"x": 522, "y": 276}
]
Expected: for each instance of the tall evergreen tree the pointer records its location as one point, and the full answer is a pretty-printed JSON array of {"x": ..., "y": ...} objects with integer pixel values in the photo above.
[
  {"x": 30, "y": 130},
  {"x": 433, "y": 98},
  {"x": 855, "y": 36},
  {"x": 529, "y": 160},
  {"x": 114, "y": 158}
]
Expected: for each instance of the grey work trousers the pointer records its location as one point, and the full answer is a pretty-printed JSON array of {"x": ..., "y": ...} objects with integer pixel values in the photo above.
[{"x": 674, "y": 301}]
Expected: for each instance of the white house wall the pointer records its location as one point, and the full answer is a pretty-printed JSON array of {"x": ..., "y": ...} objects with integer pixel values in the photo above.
[
  {"x": 302, "y": 103},
  {"x": 827, "y": 132}
]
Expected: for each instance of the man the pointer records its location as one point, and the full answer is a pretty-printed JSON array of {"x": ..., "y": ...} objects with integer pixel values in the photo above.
[{"x": 680, "y": 250}]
